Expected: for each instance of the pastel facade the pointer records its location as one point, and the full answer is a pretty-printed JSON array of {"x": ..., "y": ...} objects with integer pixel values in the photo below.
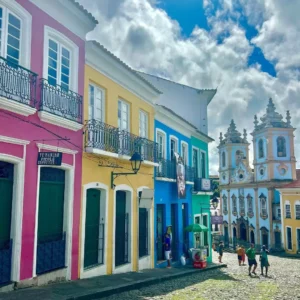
[
  {"x": 116, "y": 233},
  {"x": 41, "y": 115},
  {"x": 290, "y": 216},
  {"x": 250, "y": 202}
]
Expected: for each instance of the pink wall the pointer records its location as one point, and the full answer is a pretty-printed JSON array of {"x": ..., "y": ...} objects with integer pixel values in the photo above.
[{"x": 13, "y": 127}]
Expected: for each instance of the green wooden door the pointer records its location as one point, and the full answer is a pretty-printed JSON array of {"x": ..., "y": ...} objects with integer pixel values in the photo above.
[
  {"x": 121, "y": 236},
  {"x": 51, "y": 205},
  {"x": 6, "y": 197},
  {"x": 92, "y": 223}
]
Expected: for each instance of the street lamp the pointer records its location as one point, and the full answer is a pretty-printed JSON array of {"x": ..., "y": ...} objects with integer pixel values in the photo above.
[{"x": 135, "y": 161}]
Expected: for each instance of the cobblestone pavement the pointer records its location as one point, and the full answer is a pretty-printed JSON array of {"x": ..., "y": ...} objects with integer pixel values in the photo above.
[{"x": 231, "y": 283}]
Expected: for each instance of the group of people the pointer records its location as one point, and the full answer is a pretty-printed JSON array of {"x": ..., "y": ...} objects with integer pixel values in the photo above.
[{"x": 251, "y": 254}]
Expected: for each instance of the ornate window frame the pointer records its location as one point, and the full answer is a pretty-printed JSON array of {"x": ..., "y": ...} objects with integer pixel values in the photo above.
[
  {"x": 234, "y": 205},
  {"x": 263, "y": 206},
  {"x": 260, "y": 146},
  {"x": 284, "y": 154},
  {"x": 225, "y": 204},
  {"x": 250, "y": 212}
]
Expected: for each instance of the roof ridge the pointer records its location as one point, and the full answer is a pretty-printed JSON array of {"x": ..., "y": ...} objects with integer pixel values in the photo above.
[{"x": 85, "y": 11}]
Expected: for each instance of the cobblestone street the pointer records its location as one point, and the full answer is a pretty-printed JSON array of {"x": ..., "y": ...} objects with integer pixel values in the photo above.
[{"x": 228, "y": 283}]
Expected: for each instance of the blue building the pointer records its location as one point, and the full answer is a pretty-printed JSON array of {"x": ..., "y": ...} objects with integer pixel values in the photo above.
[{"x": 171, "y": 209}]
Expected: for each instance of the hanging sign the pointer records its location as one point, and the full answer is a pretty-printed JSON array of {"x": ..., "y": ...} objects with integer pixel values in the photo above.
[
  {"x": 49, "y": 158},
  {"x": 205, "y": 184},
  {"x": 217, "y": 220},
  {"x": 180, "y": 175}
]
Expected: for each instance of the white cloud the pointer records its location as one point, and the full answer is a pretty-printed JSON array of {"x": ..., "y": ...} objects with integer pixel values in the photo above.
[{"x": 147, "y": 39}]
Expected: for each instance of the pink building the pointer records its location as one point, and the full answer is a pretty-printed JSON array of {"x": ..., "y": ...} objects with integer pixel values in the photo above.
[{"x": 42, "y": 55}]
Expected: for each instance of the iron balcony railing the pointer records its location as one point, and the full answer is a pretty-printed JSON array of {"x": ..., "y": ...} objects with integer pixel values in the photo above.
[
  {"x": 130, "y": 143},
  {"x": 101, "y": 136},
  {"x": 17, "y": 83},
  {"x": 198, "y": 187},
  {"x": 61, "y": 102},
  {"x": 167, "y": 169}
]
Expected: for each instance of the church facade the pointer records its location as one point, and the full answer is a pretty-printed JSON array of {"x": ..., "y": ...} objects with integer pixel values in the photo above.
[{"x": 250, "y": 202}]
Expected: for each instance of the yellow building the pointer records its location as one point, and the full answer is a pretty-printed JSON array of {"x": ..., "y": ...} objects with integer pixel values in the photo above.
[
  {"x": 290, "y": 216},
  {"x": 116, "y": 232}
]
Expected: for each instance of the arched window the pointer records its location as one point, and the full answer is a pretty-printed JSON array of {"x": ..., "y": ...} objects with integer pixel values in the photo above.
[
  {"x": 242, "y": 205},
  {"x": 261, "y": 153},
  {"x": 234, "y": 204},
  {"x": 281, "y": 146},
  {"x": 223, "y": 159}
]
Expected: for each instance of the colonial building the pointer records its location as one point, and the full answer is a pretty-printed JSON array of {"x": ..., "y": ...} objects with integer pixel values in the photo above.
[
  {"x": 250, "y": 204},
  {"x": 183, "y": 113},
  {"x": 41, "y": 87},
  {"x": 116, "y": 232},
  {"x": 290, "y": 215}
]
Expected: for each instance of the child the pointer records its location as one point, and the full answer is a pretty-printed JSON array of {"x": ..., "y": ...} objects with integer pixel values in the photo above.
[
  {"x": 240, "y": 254},
  {"x": 243, "y": 255}
]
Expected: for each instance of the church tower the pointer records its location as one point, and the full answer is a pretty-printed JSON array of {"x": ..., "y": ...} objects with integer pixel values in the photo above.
[
  {"x": 273, "y": 143},
  {"x": 234, "y": 157}
]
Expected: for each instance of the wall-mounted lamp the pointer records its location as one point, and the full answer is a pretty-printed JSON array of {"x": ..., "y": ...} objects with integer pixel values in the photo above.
[
  {"x": 215, "y": 202},
  {"x": 136, "y": 161}
]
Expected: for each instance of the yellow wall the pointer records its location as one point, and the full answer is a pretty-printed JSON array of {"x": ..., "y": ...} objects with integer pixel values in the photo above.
[
  {"x": 292, "y": 222},
  {"x": 91, "y": 172}
]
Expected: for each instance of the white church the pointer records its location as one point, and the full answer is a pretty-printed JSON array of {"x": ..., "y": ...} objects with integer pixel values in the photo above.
[{"x": 249, "y": 202}]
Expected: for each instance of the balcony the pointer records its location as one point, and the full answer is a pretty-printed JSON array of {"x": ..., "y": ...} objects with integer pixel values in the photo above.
[
  {"x": 60, "y": 106},
  {"x": 203, "y": 185},
  {"x": 167, "y": 170},
  {"x": 130, "y": 143},
  {"x": 101, "y": 138},
  {"x": 17, "y": 88}
]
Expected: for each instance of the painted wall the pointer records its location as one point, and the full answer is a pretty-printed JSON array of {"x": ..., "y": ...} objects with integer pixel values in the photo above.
[
  {"x": 93, "y": 173},
  {"x": 30, "y": 129}
]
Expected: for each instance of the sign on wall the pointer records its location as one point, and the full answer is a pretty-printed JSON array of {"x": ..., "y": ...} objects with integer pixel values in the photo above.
[
  {"x": 49, "y": 158},
  {"x": 217, "y": 220},
  {"x": 205, "y": 184},
  {"x": 180, "y": 175}
]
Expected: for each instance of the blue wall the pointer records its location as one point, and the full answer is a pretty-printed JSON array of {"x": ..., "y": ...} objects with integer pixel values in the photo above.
[{"x": 166, "y": 193}]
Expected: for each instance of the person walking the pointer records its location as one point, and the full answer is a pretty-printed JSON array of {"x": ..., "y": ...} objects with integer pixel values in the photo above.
[
  {"x": 251, "y": 259},
  {"x": 264, "y": 261},
  {"x": 221, "y": 250},
  {"x": 167, "y": 245},
  {"x": 239, "y": 254},
  {"x": 243, "y": 255}
]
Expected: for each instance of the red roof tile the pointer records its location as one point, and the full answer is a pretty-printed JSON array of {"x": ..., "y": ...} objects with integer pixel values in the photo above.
[{"x": 294, "y": 184}]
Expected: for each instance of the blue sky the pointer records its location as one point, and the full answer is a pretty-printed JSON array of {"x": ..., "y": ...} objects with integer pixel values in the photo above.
[{"x": 190, "y": 13}]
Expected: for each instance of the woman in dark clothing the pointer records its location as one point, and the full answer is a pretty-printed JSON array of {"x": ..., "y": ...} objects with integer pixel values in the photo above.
[{"x": 221, "y": 249}]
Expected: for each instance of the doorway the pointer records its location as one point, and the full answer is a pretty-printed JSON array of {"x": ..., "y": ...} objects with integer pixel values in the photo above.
[
  {"x": 174, "y": 241},
  {"x": 51, "y": 242},
  {"x": 265, "y": 239},
  {"x": 185, "y": 234},
  {"x": 252, "y": 237},
  {"x": 6, "y": 242},
  {"x": 226, "y": 236},
  {"x": 277, "y": 237},
  {"x": 94, "y": 230},
  {"x": 289, "y": 238},
  {"x": 122, "y": 230},
  {"x": 160, "y": 225},
  {"x": 298, "y": 239},
  {"x": 243, "y": 232}
]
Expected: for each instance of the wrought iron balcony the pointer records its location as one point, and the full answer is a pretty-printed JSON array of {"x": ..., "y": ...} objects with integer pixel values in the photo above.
[
  {"x": 130, "y": 143},
  {"x": 17, "y": 83},
  {"x": 199, "y": 187},
  {"x": 167, "y": 169},
  {"x": 101, "y": 136},
  {"x": 61, "y": 102}
]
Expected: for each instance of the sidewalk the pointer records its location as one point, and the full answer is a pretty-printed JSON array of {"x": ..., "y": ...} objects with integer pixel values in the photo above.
[{"x": 102, "y": 286}]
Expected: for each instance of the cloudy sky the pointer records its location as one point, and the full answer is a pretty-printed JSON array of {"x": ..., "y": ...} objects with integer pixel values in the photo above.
[{"x": 248, "y": 49}]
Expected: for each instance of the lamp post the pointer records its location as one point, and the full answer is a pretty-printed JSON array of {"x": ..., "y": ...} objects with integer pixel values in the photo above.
[
  {"x": 215, "y": 202},
  {"x": 136, "y": 161}
]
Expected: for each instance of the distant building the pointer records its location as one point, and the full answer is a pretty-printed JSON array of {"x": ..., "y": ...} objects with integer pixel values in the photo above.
[{"x": 250, "y": 202}]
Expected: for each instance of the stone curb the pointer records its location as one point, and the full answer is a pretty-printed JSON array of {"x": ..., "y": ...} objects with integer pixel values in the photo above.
[{"x": 139, "y": 284}]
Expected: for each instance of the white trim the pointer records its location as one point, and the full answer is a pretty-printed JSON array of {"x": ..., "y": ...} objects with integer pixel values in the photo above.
[
  {"x": 145, "y": 262},
  {"x": 55, "y": 149},
  {"x": 187, "y": 151},
  {"x": 100, "y": 269},
  {"x": 163, "y": 133},
  {"x": 68, "y": 217},
  {"x": 110, "y": 66},
  {"x": 150, "y": 163},
  {"x": 16, "y": 107},
  {"x": 68, "y": 15},
  {"x": 174, "y": 138},
  {"x": 205, "y": 160},
  {"x": 26, "y": 29},
  {"x": 282, "y": 217},
  {"x": 50, "y": 33},
  {"x": 101, "y": 152},
  {"x": 10, "y": 140},
  {"x": 296, "y": 202},
  {"x": 198, "y": 159},
  {"x": 165, "y": 179},
  {"x": 59, "y": 121},
  {"x": 128, "y": 104},
  {"x": 146, "y": 114},
  {"x": 287, "y": 246},
  {"x": 17, "y": 210},
  {"x": 103, "y": 104},
  {"x": 127, "y": 267}
]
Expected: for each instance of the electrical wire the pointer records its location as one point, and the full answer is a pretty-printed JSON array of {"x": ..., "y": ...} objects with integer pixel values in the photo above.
[{"x": 63, "y": 140}]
